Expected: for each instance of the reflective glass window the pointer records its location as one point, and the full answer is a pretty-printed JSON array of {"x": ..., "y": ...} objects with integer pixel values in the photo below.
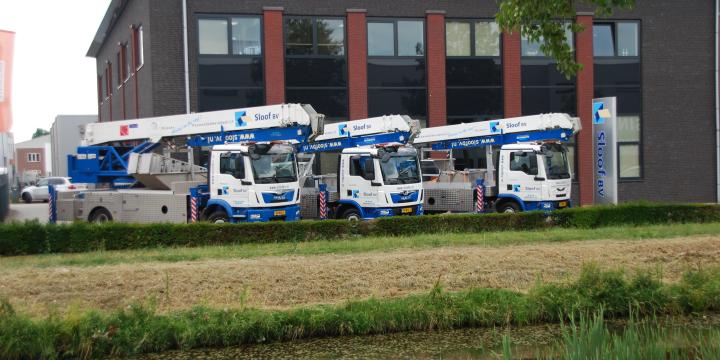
[
  {"x": 381, "y": 39},
  {"x": 246, "y": 36},
  {"x": 411, "y": 38},
  {"x": 213, "y": 36}
]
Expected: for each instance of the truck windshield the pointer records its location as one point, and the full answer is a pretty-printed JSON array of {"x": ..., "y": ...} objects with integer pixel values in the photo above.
[
  {"x": 556, "y": 162},
  {"x": 274, "y": 168},
  {"x": 400, "y": 170}
]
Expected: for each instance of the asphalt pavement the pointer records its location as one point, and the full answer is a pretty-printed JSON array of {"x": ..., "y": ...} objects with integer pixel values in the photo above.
[{"x": 22, "y": 212}]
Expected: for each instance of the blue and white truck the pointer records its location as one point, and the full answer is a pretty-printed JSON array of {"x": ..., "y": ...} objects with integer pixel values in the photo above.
[
  {"x": 528, "y": 167},
  {"x": 251, "y": 173}
]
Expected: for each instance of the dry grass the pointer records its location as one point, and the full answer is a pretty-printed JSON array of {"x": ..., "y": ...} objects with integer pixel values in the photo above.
[{"x": 279, "y": 282}]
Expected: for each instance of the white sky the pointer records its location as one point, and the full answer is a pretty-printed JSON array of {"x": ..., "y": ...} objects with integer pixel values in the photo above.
[{"x": 51, "y": 75}]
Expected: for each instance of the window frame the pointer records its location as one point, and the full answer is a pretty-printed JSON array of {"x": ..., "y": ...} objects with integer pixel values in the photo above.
[
  {"x": 639, "y": 58},
  {"x": 544, "y": 56},
  {"x": 228, "y": 18},
  {"x": 615, "y": 36},
  {"x": 138, "y": 47},
  {"x": 394, "y": 21},
  {"x": 33, "y": 157},
  {"x": 473, "y": 48},
  {"x": 314, "y": 20},
  {"x": 472, "y": 56}
]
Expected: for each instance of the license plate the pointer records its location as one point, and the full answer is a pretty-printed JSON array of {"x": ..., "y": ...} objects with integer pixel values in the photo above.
[
  {"x": 406, "y": 210},
  {"x": 279, "y": 213},
  {"x": 562, "y": 204}
]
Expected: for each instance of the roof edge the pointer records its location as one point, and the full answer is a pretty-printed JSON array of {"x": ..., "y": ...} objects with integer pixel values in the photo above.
[{"x": 113, "y": 12}]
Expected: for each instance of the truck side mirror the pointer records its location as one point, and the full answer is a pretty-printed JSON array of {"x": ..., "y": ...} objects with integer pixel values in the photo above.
[{"x": 369, "y": 169}]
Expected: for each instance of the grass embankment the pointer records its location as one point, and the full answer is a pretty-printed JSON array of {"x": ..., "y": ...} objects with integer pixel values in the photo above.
[
  {"x": 359, "y": 245},
  {"x": 139, "y": 329}
]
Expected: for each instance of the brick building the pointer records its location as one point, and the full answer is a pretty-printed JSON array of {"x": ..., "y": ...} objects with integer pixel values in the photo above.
[
  {"x": 442, "y": 62},
  {"x": 32, "y": 159}
]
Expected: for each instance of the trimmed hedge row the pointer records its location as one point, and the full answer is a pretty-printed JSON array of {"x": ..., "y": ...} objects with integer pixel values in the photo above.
[{"x": 34, "y": 238}]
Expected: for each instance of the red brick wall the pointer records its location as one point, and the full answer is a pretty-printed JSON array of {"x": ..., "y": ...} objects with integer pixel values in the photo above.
[
  {"x": 435, "y": 53},
  {"x": 357, "y": 64},
  {"x": 584, "y": 55},
  {"x": 512, "y": 82},
  {"x": 274, "y": 51},
  {"x": 23, "y": 164}
]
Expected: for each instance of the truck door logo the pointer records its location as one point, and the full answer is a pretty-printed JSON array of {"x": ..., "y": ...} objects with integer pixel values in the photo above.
[
  {"x": 516, "y": 188},
  {"x": 225, "y": 190},
  {"x": 355, "y": 194},
  {"x": 242, "y": 118}
]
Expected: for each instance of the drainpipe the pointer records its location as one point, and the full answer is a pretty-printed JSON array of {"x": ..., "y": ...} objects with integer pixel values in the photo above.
[
  {"x": 185, "y": 51},
  {"x": 717, "y": 97}
]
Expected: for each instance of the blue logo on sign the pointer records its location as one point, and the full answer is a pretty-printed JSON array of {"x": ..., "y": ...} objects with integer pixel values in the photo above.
[
  {"x": 516, "y": 188},
  {"x": 495, "y": 127},
  {"x": 355, "y": 194},
  {"x": 225, "y": 190},
  {"x": 342, "y": 129},
  {"x": 597, "y": 116}
]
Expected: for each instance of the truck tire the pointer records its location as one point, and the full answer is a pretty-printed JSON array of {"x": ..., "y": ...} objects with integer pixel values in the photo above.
[
  {"x": 100, "y": 215},
  {"x": 27, "y": 198},
  {"x": 508, "y": 207},
  {"x": 218, "y": 217},
  {"x": 351, "y": 214}
]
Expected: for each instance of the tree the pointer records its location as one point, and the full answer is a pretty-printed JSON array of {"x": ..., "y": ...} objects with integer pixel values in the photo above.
[
  {"x": 40, "y": 132},
  {"x": 547, "y": 22}
]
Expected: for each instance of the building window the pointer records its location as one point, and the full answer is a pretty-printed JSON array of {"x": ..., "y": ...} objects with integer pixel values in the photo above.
[
  {"x": 138, "y": 51},
  {"x": 100, "y": 89},
  {"x": 397, "y": 81},
  {"x": 472, "y": 38},
  {"x": 246, "y": 36},
  {"x": 473, "y": 73},
  {"x": 314, "y": 36},
  {"x": 33, "y": 157},
  {"x": 396, "y": 38},
  {"x": 623, "y": 36},
  {"x": 230, "y": 73},
  {"x": 532, "y": 48},
  {"x": 213, "y": 36},
  {"x": 108, "y": 80},
  {"x": 120, "y": 66},
  {"x": 125, "y": 61},
  {"x": 315, "y": 64},
  {"x": 617, "y": 69}
]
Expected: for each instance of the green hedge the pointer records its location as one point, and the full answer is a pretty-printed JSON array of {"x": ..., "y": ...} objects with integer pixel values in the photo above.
[{"x": 34, "y": 238}]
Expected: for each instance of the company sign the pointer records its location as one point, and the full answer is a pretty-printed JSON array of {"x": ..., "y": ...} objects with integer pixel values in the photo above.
[{"x": 605, "y": 160}]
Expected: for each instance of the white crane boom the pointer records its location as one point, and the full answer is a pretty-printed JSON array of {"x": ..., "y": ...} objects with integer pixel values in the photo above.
[
  {"x": 490, "y": 132},
  {"x": 225, "y": 121}
]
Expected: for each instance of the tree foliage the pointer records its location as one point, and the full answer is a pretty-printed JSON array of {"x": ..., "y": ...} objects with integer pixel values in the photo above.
[
  {"x": 547, "y": 22},
  {"x": 40, "y": 132}
]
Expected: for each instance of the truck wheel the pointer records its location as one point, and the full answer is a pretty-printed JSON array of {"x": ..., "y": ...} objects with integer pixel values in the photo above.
[
  {"x": 509, "y": 207},
  {"x": 218, "y": 217},
  {"x": 27, "y": 198},
  {"x": 351, "y": 214},
  {"x": 100, "y": 215}
]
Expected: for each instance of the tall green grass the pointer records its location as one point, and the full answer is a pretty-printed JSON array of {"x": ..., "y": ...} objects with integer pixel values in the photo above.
[
  {"x": 592, "y": 338},
  {"x": 139, "y": 329}
]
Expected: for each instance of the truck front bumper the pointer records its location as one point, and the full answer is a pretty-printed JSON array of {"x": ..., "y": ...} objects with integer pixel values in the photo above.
[
  {"x": 410, "y": 210},
  {"x": 286, "y": 213}
]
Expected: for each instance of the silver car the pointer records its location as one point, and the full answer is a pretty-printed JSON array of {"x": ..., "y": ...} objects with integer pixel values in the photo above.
[{"x": 41, "y": 191}]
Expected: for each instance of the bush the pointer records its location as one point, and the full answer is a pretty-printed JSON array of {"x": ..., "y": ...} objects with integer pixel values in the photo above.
[{"x": 34, "y": 238}]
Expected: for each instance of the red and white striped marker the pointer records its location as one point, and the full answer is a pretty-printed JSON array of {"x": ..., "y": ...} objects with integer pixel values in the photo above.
[
  {"x": 480, "y": 203},
  {"x": 323, "y": 205},
  {"x": 193, "y": 209}
]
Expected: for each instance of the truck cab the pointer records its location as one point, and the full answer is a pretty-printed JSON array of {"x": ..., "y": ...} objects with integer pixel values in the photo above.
[
  {"x": 534, "y": 176},
  {"x": 379, "y": 181},
  {"x": 252, "y": 183}
]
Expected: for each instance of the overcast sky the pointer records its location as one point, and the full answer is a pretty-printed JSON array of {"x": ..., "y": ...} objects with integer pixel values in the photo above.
[{"x": 51, "y": 74}]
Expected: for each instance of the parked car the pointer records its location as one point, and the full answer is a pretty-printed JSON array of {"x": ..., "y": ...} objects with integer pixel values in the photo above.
[{"x": 41, "y": 191}]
